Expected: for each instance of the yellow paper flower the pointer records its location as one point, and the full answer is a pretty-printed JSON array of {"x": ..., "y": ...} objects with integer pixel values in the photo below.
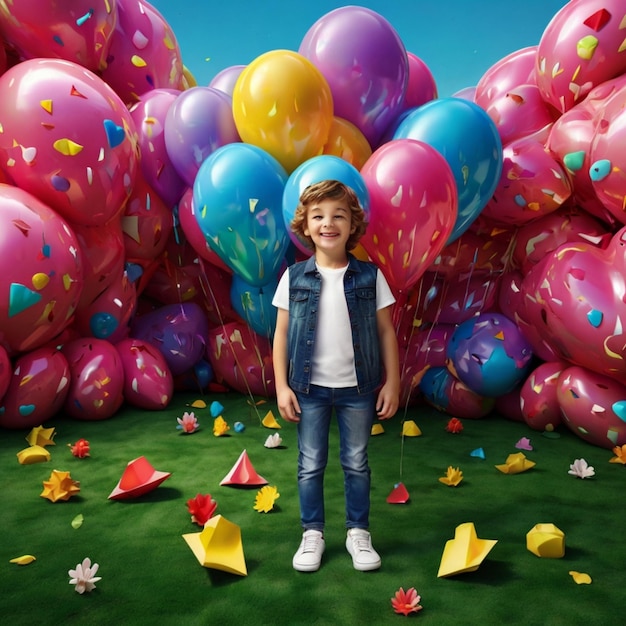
[
  {"x": 620, "y": 455},
  {"x": 453, "y": 477},
  {"x": 220, "y": 427},
  {"x": 59, "y": 486},
  {"x": 265, "y": 499},
  {"x": 40, "y": 436}
]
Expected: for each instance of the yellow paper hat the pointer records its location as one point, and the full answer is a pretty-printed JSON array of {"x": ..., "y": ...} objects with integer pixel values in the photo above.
[
  {"x": 219, "y": 546},
  {"x": 465, "y": 552},
  {"x": 269, "y": 421},
  {"x": 516, "y": 464},
  {"x": 377, "y": 429},
  {"x": 410, "y": 429},
  {"x": 546, "y": 540}
]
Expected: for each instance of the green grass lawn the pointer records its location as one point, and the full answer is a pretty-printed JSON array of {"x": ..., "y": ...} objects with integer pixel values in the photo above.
[{"x": 150, "y": 576}]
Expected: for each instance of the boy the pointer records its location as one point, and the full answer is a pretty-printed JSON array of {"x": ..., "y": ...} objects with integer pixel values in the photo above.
[{"x": 333, "y": 334}]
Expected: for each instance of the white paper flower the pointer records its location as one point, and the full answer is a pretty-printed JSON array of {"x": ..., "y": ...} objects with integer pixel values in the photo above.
[
  {"x": 273, "y": 441},
  {"x": 84, "y": 576},
  {"x": 581, "y": 469}
]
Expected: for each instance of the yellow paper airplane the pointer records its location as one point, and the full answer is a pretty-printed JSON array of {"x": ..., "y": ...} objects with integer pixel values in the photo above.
[{"x": 465, "y": 552}]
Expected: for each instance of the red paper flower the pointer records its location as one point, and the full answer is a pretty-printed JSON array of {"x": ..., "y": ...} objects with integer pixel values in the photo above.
[
  {"x": 201, "y": 508},
  {"x": 406, "y": 602},
  {"x": 454, "y": 426},
  {"x": 80, "y": 449}
]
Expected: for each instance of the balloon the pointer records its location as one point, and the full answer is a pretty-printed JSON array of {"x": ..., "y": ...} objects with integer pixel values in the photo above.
[
  {"x": 489, "y": 354},
  {"x": 37, "y": 388},
  {"x": 520, "y": 112},
  {"x": 532, "y": 184},
  {"x": 593, "y": 406},
  {"x": 365, "y": 64},
  {"x": 68, "y": 139},
  {"x": 467, "y": 93},
  {"x": 146, "y": 223},
  {"x": 315, "y": 170},
  {"x": 96, "y": 379},
  {"x": 148, "y": 382},
  {"x": 254, "y": 305},
  {"x": 421, "y": 86},
  {"x": 238, "y": 194},
  {"x": 346, "y": 141},
  {"x": 149, "y": 115},
  {"x": 5, "y": 371},
  {"x": 468, "y": 139},
  {"x": 580, "y": 48},
  {"x": 42, "y": 277},
  {"x": 538, "y": 396},
  {"x": 79, "y": 31},
  {"x": 178, "y": 331},
  {"x": 227, "y": 79},
  {"x": 242, "y": 359},
  {"x": 144, "y": 53},
  {"x": 198, "y": 122},
  {"x": 513, "y": 70},
  {"x": 283, "y": 104},
  {"x": 413, "y": 208}
]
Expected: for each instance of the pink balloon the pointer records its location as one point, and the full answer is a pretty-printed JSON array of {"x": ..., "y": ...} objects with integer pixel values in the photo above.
[
  {"x": 532, "y": 184},
  {"x": 197, "y": 123},
  {"x": 67, "y": 139},
  {"x": 149, "y": 117},
  {"x": 226, "y": 79},
  {"x": 5, "y": 371},
  {"x": 102, "y": 255},
  {"x": 508, "y": 405},
  {"x": 78, "y": 31},
  {"x": 413, "y": 209},
  {"x": 242, "y": 359},
  {"x": 537, "y": 239},
  {"x": 580, "y": 48},
  {"x": 538, "y": 396},
  {"x": 365, "y": 63},
  {"x": 593, "y": 406},
  {"x": 148, "y": 382},
  {"x": 467, "y": 93},
  {"x": 144, "y": 53},
  {"x": 513, "y": 70},
  {"x": 146, "y": 223},
  {"x": 520, "y": 112},
  {"x": 42, "y": 277},
  {"x": 37, "y": 389},
  {"x": 421, "y": 86},
  {"x": 97, "y": 379}
]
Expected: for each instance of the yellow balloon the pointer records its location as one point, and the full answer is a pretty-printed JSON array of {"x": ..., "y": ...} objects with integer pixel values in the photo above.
[
  {"x": 283, "y": 104},
  {"x": 347, "y": 142}
]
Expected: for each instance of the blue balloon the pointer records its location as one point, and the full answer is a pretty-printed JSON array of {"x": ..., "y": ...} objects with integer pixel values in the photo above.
[
  {"x": 254, "y": 305},
  {"x": 238, "y": 194},
  {"x": 469, "y": 141},
  {"x": 315, "y": 170}
]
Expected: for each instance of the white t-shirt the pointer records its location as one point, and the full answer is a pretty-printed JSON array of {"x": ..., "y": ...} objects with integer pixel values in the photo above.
[{"x": 333, "y": 353}]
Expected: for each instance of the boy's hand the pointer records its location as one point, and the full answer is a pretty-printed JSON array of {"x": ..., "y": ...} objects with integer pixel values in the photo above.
[
  {"x": 387, "y": 402},
  {"x": 288, "y": 405}
]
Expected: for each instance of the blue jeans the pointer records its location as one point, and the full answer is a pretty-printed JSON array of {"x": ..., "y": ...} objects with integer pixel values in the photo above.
[{"x": 355, "y": 416}]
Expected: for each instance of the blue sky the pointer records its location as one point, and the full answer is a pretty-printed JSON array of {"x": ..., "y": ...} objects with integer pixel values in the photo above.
[{"x": 459, "y": 40}]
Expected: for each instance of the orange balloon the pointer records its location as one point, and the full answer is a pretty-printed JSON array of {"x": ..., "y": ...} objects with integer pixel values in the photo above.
[
  {"x": 346, "y": 141},
  {"x": 283, "y": 104}
]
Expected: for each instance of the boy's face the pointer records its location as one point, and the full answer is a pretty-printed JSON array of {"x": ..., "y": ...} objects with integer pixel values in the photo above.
[{"x": 329, "y": 224}]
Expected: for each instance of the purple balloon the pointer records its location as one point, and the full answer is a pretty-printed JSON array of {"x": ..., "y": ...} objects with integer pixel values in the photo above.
[
  {"x": 178, "y": 331},
  {"x": 226, "y": 79},
  {"x": 198, "y": 122},
  {"x": 365, "y": 64}
]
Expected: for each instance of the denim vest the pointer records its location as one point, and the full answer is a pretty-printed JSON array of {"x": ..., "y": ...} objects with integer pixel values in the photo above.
[{"x": 304, "y": 293}]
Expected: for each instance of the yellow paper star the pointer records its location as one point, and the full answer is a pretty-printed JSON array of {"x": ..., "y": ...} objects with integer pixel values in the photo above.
[
  {"x": 220, "y": 427},
  {"x": 59, "y": 486},
  {"x": 453, "y": 477},
  {"x": 265, "y": 499},
  {"x": 620, "y": 455},
  {"x": 40, "y": 436}
]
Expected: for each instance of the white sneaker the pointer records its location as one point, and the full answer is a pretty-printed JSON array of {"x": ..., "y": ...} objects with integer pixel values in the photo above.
[
  {"x": 308, "y": 558},
  {"x": 359, "y": 545}
]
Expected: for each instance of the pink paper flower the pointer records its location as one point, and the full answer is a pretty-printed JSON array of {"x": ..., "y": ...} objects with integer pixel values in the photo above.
[
  {"x": 406, "y": 602},
  {"x": 84, "y": 576},
  {"x": 454, "y": 426},
  {"x": 80, "y": 449},
  {"x": 201, "y": 508},
  {"x": 188, "y": 423}
]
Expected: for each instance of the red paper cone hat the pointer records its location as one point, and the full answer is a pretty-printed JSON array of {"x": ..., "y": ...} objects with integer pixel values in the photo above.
[
  {"x": 138, "y": 478},
  {"x": 243, "y": 473},
  {"x": 399, "y": 495}
]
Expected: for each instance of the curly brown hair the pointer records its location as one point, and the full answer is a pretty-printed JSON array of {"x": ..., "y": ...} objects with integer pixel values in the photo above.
[{"x": 334, "y": 190}]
